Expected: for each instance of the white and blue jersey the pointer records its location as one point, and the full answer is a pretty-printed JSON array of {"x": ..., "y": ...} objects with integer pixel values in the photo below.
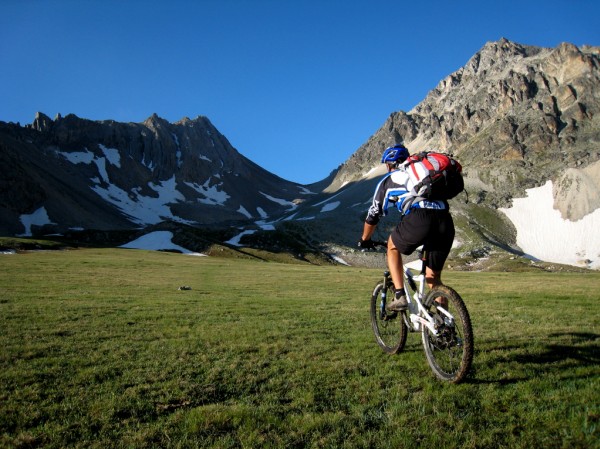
[{"x": 393, "y": 190}]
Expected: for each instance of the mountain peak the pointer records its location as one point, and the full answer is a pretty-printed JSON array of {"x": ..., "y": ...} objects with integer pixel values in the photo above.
[
  {"x": 42, "y": 122},
  {"x": 202, "y": 119},
  {"x": 154, "y": 120},
  {"x": 498, "y": 54}
]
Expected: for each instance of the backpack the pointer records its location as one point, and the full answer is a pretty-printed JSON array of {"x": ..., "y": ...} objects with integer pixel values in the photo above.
[{"x": 436, "y": 176}]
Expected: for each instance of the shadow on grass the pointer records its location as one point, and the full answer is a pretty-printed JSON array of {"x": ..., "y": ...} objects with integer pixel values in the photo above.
[
  {"x": 582, "y": 350},
  {"x": 585, "y": 349}
]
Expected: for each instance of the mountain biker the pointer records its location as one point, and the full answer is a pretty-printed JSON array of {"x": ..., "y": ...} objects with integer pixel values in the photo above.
[{"x": 426, "y": 222}]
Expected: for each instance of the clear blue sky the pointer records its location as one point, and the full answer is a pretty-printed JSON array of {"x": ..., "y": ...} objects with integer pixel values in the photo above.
[{"x": 296, "y": 86}]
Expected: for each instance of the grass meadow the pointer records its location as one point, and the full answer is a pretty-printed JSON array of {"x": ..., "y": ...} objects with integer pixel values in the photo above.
[{"x": 100, "y": 349}]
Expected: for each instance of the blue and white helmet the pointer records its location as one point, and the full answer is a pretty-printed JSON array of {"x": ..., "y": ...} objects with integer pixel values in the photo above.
[{"x": 395, "y": 155}]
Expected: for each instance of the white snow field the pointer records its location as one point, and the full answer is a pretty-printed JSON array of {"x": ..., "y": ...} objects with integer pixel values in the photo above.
[{"x": 543, "y": 234}]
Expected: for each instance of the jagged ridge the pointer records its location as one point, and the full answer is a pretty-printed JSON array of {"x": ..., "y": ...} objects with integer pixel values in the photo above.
[{"x": 111, "y": 175}]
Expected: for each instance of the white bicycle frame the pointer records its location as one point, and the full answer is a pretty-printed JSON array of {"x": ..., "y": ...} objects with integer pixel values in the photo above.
[{"x": 417, "y": 314}]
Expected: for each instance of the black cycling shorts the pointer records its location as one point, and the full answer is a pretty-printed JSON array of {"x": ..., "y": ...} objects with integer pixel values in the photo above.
[{"x": 429, "y": 227}]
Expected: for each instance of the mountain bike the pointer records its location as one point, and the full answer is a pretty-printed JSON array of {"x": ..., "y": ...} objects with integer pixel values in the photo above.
[{"x": 439, "y": 314}]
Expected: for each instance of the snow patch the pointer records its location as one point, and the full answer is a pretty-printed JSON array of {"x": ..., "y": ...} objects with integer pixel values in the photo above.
[
  {"x": 178, "y": 153},
  {"x": 213, "y": 195},
  {"x": 376, "y": 171},
  {"x": 283, "y": 202},
  {"x": 101, "y": 165},
  {"x": 330, "y": 206},
  {"x": 262, "y": 212},
  {"x": 158, "y": 241},
  {"x": 148, "y": 165},
  {"x": 327, "y": 199},
  {"x": 78, "y": 157},
  {"x": 87, "y": 157},
  {"x": 242, "y": 210},
  {"x": 545, "y": 235},
  {"x": 305, "y": 191},
  {"x": 265, "y": 226},
  {"x": 235, "y": 241},
  {"x": 112, "y": 155},
  {"x": 37, "y": 218},
  {"x": 144, "y": 209},
  {"x": 338, "y": 259}
]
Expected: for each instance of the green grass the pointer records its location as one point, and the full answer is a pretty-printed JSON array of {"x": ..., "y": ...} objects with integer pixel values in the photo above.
[{"x": 100, "y": 349}]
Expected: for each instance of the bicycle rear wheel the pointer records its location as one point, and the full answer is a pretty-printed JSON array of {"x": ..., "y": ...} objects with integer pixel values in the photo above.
[
  {"x": 389, "y": 328},
  {"x": 450, "y": 353}
]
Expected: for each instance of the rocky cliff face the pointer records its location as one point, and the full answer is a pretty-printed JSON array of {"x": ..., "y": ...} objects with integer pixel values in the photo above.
[
  {"x": 577, "y": 192},
  {"x": 514, "y": 115},
  {"x": 110, "y": 175}
]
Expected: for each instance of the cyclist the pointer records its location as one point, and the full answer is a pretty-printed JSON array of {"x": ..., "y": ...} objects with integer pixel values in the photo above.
[{"x": 426, "y": 222}]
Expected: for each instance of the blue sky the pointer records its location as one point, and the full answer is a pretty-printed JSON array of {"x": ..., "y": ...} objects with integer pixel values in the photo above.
[{"x": 296, "y": 86}]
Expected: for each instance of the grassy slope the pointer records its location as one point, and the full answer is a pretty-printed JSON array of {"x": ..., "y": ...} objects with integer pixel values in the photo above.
[{"x": 101, "y": 349}]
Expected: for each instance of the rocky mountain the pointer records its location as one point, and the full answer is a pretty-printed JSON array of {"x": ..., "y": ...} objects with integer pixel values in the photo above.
[
  {"x": 516, "y": 116},
  {"x": 77, "y": 173}
]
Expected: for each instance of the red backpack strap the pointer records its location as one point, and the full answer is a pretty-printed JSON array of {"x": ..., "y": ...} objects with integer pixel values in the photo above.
[
  {"x": 412, "y": 165},
  {"x": 429, "y": 165},
  {"x": 411, "y": 161}
]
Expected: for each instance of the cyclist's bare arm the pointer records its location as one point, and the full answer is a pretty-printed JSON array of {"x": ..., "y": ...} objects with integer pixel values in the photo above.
[{"x": 368, "y": 230}]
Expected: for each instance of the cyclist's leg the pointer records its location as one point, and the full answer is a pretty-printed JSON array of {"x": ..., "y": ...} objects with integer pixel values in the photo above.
[
  {"x": 394, "y": 259},
  {"x": 410, "y": 233},
  {"x": 438, "y": 248},
  {"x": 433, "y": 279}
]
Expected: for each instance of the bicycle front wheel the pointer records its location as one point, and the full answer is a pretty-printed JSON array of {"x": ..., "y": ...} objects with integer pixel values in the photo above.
[
  {"x": 450, "y": 352},
  {"x": 389, "y": 327}
]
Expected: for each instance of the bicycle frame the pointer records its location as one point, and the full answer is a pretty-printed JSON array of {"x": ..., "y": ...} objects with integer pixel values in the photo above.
[{"x": 416, "y": 315}]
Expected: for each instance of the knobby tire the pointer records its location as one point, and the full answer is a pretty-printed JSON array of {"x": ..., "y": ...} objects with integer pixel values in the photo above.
[
  {"x": 390, "y": 330},
  {"x": 450, "y": 354}
]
